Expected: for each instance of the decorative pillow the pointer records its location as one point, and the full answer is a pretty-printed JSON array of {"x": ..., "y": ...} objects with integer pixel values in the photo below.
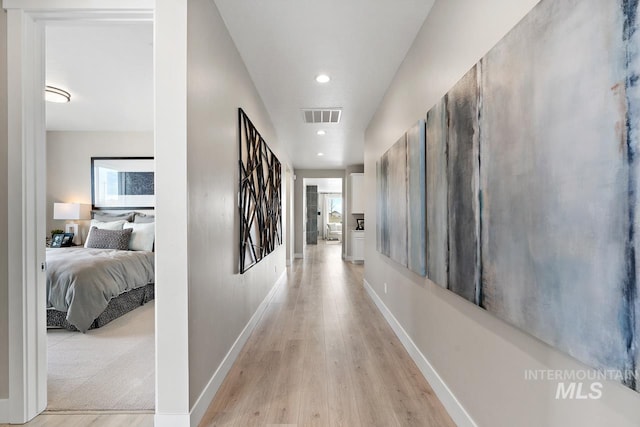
[
  {"x": 142, "y": 218},
  {"x": 142, "y": 237},
  {"x": 111, "y": 225},
  {"x": 109, "y": 217},
  {"x": 109, "y": 239}
]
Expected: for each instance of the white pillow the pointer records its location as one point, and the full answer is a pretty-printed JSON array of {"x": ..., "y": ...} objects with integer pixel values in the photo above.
[
  {"x": 142, "y": 237},
  {"x": 111, "y": 225}
]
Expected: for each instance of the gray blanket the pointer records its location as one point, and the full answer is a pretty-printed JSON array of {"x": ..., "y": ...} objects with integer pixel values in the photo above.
[{"x": 82, "y": 281}]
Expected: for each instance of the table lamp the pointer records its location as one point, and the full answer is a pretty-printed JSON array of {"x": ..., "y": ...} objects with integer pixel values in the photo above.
[{"x": 71, "y": 212}]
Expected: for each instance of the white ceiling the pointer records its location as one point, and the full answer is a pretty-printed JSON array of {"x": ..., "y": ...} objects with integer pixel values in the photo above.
[
  {"x": 359, "y": 43},
  {"x": 108, "y": 69}
]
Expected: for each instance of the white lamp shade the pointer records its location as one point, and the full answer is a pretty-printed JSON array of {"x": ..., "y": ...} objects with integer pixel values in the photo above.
[{"x": 72, "y": 211}]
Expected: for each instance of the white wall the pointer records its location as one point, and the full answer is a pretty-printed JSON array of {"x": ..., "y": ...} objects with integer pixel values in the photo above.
[
  {"x": 221, "y": 301},
  {"x": 4, "y": 297},
  {"x": 69, "y": 164},
  {"x": 480, "y": 358},
  {"x": 350, "y": 219}
]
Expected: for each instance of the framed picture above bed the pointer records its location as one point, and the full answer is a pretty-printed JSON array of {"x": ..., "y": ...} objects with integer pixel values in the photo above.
[{"x": 122, "y": 183}]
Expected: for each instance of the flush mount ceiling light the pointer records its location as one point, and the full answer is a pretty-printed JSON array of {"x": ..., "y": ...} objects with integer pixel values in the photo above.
[
  {"x": 54, "y": 94},
  {"x": 320, "y": 154},
  {"x": 323, "y": 78},
  {"x": 321, "y": 132}
]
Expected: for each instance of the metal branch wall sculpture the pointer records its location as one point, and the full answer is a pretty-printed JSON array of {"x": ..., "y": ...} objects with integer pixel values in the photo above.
[{"x": 260, "y": 195}]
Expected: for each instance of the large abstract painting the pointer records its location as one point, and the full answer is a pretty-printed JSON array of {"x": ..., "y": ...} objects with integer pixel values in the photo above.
[
  {"x": 401, "y": 230},
  {"x": 437, "y": 196},
  {"x": 416, "y": 199},
  {"x": 462, "y": 175},
  {"x": 532, "y": 181},
  {"x": 558, "y": 179},
  {"x": 260, "y": 195}
]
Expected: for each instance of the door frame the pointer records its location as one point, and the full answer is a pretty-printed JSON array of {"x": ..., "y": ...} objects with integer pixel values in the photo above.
[
  {"x": 26, "y": 20},
  {"x": 288, "y": 227}
]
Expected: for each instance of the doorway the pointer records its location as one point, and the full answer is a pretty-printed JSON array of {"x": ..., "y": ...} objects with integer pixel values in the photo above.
[
  {"x": 27, "y": 205},
  {"x": 106, "y": 68},
  {"x": 324, "y": 211}
]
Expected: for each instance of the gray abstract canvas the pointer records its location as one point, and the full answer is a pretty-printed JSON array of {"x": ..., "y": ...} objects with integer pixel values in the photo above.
[
  {"x": 416, "y": 199},
  {"x": 397, "y": 200},
  {"x": 558, "y": 181},
  {"x": 393, "y": 206},
  {"x": 462, "y": 104},
  {"x": 630, "y": 140},
  {"x": 382, "y": 242},
  {"x": 401, "y": 200},
  {"x": 437, "y": 195},
  {"x": 540, "y": 142}
]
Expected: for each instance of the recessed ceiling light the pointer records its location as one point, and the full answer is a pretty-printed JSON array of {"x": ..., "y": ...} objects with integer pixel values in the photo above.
[
  {"x": 54, "y": 94},
  {"x": 323, "y": 78},
  {"x": 321, "y": 132},
  {"x": 320, "y": 154}
]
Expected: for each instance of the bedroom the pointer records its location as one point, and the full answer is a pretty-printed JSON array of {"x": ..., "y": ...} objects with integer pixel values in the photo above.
[{"x": 108, "y": 71}]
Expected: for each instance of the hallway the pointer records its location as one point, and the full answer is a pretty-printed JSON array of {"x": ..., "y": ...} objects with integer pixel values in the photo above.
[{"x": 322, "y": 355}]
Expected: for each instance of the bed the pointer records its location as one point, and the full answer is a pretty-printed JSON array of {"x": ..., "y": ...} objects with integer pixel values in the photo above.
[{"x": 87, "y": 287}]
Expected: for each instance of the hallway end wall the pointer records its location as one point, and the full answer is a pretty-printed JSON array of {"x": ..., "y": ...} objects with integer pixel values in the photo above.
[
  {"x": 4, "y": 285},
  {"x": 221, "y": 301},
  {"x": 481, "y": 359}
]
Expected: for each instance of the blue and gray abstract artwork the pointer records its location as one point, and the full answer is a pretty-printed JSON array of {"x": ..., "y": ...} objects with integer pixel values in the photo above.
[
  {"x": 531, "y": 182},
  {"x": 401, "y": 229}
]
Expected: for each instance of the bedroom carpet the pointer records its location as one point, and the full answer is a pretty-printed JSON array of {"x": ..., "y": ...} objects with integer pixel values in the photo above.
[{"x": 110, "y": 368}]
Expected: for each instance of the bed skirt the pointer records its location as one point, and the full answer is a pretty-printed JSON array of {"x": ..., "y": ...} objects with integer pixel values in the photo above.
[{"x": 118, "y": 306}]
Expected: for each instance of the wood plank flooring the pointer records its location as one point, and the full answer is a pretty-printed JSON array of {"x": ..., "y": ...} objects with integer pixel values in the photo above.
[
  {"x": 97, "y": 419},
  {"x": 322, "y": 355}
]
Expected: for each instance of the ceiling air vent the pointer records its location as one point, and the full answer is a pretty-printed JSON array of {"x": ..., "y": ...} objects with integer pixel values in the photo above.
[{"x": 322, "y": 115}]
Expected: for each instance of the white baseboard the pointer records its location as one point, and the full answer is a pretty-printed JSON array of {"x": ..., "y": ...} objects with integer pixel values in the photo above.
[
  {"x": 298, "y": 256},
  {"x": 457, "y": 412},
  {"x": 171, "y": 420},
  {"x": 209, "y": 392},
  {"x": 348, "y": 258},
  {"x": 4, "y": 411}
]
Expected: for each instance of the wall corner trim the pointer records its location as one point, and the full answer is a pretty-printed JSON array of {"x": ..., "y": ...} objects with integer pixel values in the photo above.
[
  {"x": 455, "y": 409},
  {"x": 206, "y": 397},
  {"x": 4, "y": 411}
]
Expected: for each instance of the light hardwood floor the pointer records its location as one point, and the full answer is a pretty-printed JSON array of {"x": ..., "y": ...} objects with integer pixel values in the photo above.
[
  {"x": 101, "y": 419},
  {"x": 323, "y": 355}
]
